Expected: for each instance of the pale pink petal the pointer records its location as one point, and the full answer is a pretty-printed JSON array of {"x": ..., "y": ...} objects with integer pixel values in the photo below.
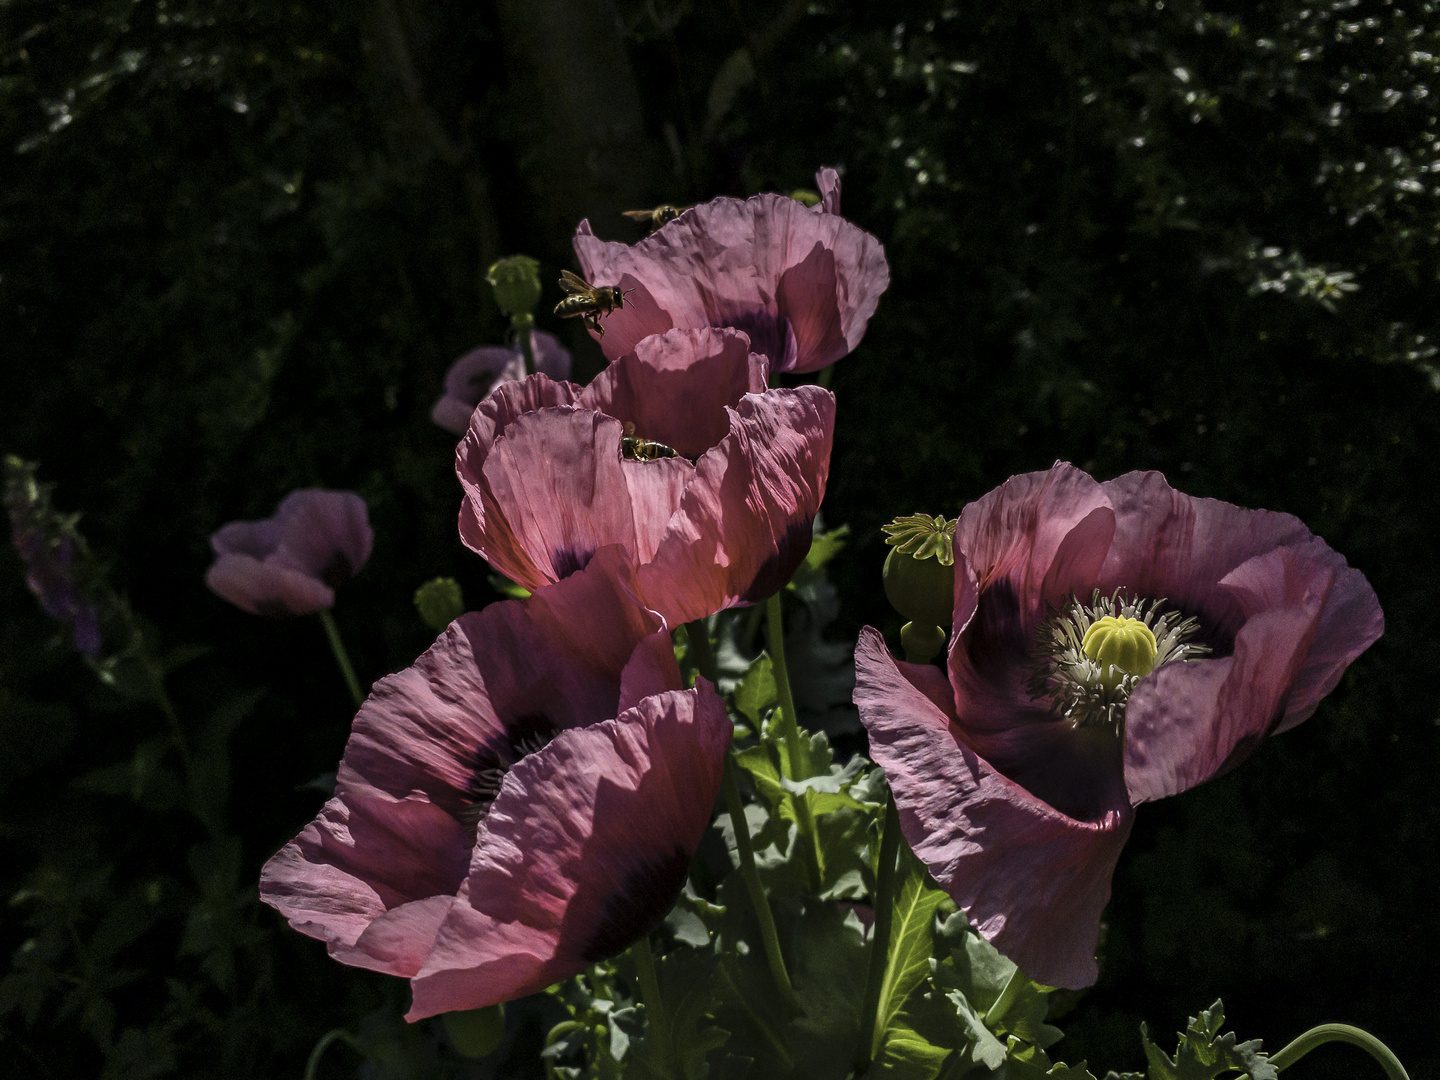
[
  {"x": 724, "y": 263},
  {"x": 1032, "y": 880},
  {"x": 267, "y": 588},
  {"x": 1168, "y": 544},
  {"x": 656, "y": 488},
  {"x": 1189, "y": 722},
  {"x": 552, "y": 491},
  {"x": 364, "y": 856},
  {"x": 254, "y": 538},
  {"x": 827, "y": 180},
  {"x": 585, "y": 849},
  {"x": 675, "y": 387},
  {"x": 325, "y": 534},
  {"x": 746, "y": 520},
  {"x": 476, "y": 374}
]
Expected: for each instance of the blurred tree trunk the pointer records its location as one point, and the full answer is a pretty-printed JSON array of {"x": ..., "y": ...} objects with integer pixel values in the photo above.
[
  {"x": 414, "y": 129},
  {"x": 582, "y": 150}
]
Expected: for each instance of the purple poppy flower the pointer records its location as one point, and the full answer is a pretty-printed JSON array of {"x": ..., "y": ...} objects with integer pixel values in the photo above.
[
  {"x": 721, "y": 514},
  {"x": 801, "y": 282},
  {"x": 1113, "y": 643},
  {"x": 479, "y": 371},
  {"x": 292, "y": 563},
  {"x": 522, "y": 802}
]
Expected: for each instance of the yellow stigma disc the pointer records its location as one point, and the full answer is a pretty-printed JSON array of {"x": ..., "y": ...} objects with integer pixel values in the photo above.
[{"x": 1127, "y": 644}]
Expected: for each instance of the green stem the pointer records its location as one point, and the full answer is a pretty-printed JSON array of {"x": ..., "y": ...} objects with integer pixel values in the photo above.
[
  {"x": 824, "y": 378},
  {"x": 522, "y": 325},
  {"x": 750, "y": 874},
  {"x": 872, "y": 1031},
  {"x": 341, "y": 656},
  {"x": 698, "y": 636},
  {"x": 775, "y": 625},
  {"x": 1324, "y": 1033},
  {"x": 650, "y": 995},
  {"x": 338, "y": 1035}
]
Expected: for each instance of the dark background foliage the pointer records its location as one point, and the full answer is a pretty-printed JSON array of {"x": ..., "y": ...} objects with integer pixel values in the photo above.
[{"x": 240, "y": 242}]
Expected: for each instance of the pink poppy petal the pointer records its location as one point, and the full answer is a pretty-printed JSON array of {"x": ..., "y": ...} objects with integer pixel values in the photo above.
[
  {"x": 1168, "y": 544},
  {"x": 364, "y": 856},
  {"x": 1032, "y": 880},
  {"x": 326, "y": 534},
  {"x": 1189, "y": 722},
  {"x": 399, "y": 941},
  {"x": 267, "y": 588},
  {"x": 470, "y": 379},
  {"x": 651, "y": 669},
  {"x": 808, "y": 295},
  {"x": 745, "y": 521},
  {"x": 586, "y": 847},
  {"x": 553, "y": 491},
  {"x": 827, "y": 181},
  {"x": 674, "y": 387},
  {"x": 254, "y": 538},
  {"x": 656, "y": 488}
]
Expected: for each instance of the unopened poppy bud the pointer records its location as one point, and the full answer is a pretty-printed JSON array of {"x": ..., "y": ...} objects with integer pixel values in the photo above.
[
  {"x": 920, "y": 570},
  {"x": 475, "y": 1033},
  {"x": 516, "y": 281},
  {"x": 806, "y": 196},
  {"x": 440, "y": 602}
]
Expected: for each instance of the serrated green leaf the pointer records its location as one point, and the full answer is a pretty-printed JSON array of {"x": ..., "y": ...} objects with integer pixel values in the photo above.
[
  {"x": 1203, "y": 1054},
  {"x": 908, "y": 1055},
  {"x": 756, "y": 694},
  {"x": 824, "y": 546},
  {"x": 912, "y": 942}
]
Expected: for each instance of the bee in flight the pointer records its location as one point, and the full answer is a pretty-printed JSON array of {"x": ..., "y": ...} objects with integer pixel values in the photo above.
[
  {"x": 638, "y": 449},
  {"x": 657, "y": 217},
  {"x": 588, "y": 301}
]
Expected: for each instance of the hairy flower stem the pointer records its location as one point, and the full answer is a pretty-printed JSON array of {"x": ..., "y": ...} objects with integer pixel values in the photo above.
[
  {"x": 341, "y": 656},
  {"x": 698, "y": 636},
  {"x": 522, "y": 325},
  {"x": 871, "y": 1031},
  {"x": 1324, "y": 1033},
  {"x": 656, "y": 1020},
  {"x": 794, "y": 741}
]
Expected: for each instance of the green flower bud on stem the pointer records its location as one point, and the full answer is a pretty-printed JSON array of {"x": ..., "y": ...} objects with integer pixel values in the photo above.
[
  {"x": 440, "y": 602},
  {"x": 475, "y": 1033},
  {"x": 920, "y": 581},
  {"x": 516, "y": 281}
]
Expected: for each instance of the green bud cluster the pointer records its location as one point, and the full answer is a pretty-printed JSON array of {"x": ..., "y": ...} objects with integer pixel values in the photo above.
[
  {"x": 440, "y": 602},
  {"x": 516, "y": 281}
]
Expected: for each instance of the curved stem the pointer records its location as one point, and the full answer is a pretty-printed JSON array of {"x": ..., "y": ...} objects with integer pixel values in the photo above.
[
  {"x": 1324, "y": 1033},
  {"x": 871, "y": 1032},
  {"x": 338, "y": 1035},
  {"x": 341, "y": 656}
]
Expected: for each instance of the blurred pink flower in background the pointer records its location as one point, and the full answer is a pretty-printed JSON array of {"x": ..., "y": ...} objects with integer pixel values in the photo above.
[
  {"x": 292, "y": 563},
  {"x": 802, "y": 282},
  {"x": 479, "y": 371},
  {"x": 523, "y": 801},
  {"x": 1016, "y": 771},
  {"x": 547, "y": 482}
]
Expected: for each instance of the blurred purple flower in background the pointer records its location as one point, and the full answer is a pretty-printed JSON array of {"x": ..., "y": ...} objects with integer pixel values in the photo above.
[
  {"x": 291, "y": 564},
  {"x": 52, "y": 553},
  {"x": 471, "y": 378}
]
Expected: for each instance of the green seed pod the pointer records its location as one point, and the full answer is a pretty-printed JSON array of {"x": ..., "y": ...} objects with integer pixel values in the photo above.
[
  {"x": 440, "y": 602},
  {"x": 920, "y": 569},
  {"x": 475, "y": 1033},
  {"x": 922, "y": 643},
  {"x": 516, "y": 281}
]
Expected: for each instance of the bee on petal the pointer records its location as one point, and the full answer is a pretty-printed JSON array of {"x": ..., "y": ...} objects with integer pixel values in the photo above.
[
  {"x": 638, "y": 449},
  {"x": 588, "y": 301},
  {"x": 656, "y": 217}
]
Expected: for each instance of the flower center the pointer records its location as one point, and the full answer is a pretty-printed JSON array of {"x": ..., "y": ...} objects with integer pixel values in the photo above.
[
  {"x": 527, "y": 736},
  {"x": 1089, "y": 657}
]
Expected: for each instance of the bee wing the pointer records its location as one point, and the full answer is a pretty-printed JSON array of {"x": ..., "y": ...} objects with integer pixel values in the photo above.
[
  {"x": 638, "y": 215},
  {"x": 573, "y": 283}
]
